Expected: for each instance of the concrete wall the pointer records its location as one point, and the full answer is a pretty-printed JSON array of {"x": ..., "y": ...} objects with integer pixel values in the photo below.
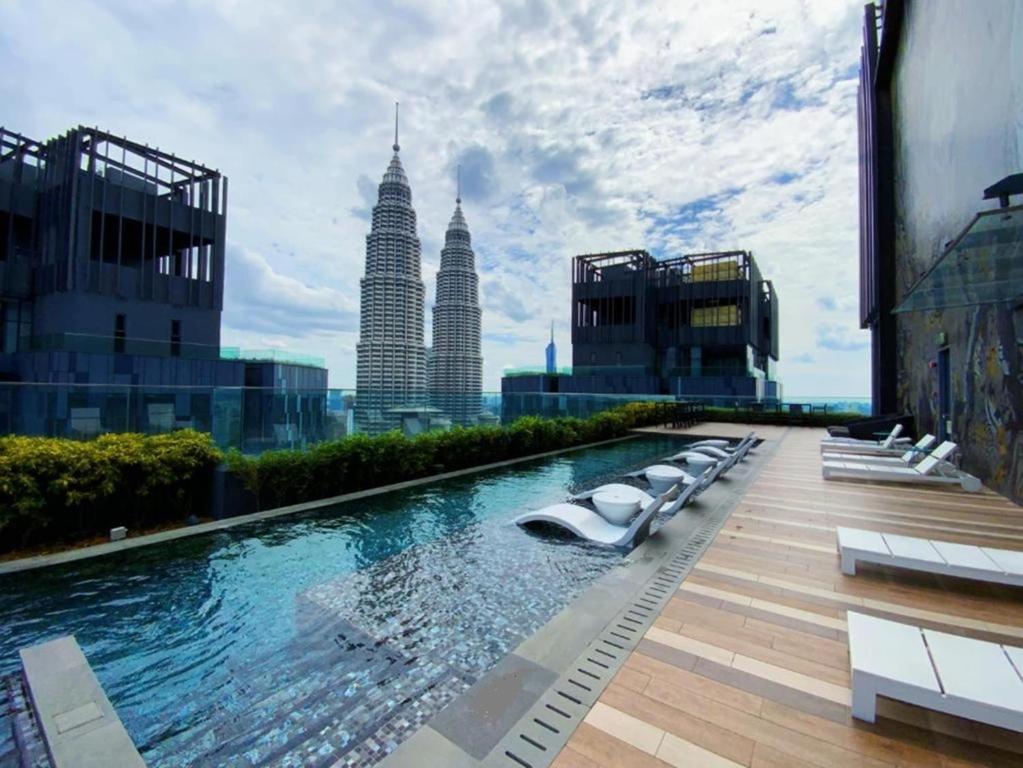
[{"x": 958, "y": 125}]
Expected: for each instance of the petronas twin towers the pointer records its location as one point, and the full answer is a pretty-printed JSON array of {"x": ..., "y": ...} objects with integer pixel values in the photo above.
[{"x": 395, "y": 385}]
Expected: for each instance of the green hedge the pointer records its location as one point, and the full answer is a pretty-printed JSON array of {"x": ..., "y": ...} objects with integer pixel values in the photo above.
[
  {"x": 57, "y": 490},
  {"x": 781, "y": 418},
  {"x": 280, "y": 478}
]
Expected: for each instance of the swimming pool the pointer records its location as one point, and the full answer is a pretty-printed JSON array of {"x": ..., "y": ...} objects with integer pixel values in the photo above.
[{"x": 325, "y": 636}]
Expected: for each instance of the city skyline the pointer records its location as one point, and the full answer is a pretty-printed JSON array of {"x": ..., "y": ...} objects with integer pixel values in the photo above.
[{"x": 674, "y": 130}]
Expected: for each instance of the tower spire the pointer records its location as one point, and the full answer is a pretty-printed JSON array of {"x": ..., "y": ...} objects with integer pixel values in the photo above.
[
  {"x": 396, "y": 147},
  {"x": 458, "y": 184},
  {"x": 552, "y": 331}
]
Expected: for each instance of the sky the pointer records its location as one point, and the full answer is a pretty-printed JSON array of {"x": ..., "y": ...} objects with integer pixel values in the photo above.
[{"x": 579, "y": 126}]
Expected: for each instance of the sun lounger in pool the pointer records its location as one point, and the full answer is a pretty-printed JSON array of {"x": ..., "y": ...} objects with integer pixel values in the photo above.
[
  {"x": 663, "y": 476},
  {"x": 933, "y": 469},
  {"x": 695, "y": 459},
  {"x": 888, "y": 442},
  {"x": 689, "y": 492},
  {"x": 957, "y": 675},
  {"x": 1001, "y": 566},
  {"x": 588, "y": 524},
  {"x": 710, "y": 450},
  {"x": 893, "y": 456},
  {"x": 724, "y": 445}
]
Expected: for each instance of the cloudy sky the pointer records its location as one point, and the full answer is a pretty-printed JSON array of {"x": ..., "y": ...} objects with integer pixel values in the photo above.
[{"x": 580, "y": 127}]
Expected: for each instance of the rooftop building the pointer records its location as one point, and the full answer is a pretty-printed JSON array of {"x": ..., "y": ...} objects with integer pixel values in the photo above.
[
  {"x": 701, "y": 325},
  {"x": 112, "y": 274}
]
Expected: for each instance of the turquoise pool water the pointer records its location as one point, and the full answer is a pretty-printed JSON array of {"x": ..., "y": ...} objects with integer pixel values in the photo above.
[{"x": 320, "y": 637}]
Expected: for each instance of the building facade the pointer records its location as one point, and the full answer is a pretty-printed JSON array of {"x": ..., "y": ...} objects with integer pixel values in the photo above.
[
  {"x": 941, "y": 287},
  {"x": 456, "y": 367},
  {"x": 699, "y": 326},
  {"x": 390, "y": 354},
  {"x": 111, "y": 291}
]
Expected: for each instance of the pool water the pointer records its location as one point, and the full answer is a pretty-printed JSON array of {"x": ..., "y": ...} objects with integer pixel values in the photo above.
[{"x": 322, "y": 638}]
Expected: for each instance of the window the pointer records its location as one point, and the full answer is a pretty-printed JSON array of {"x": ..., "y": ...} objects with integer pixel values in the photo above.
[
  {"x": 175, "y": 346},
  {"x": 120, "y": 333}
]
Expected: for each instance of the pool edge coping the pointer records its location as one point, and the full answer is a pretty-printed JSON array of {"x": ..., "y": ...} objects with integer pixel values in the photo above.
[{"x": 113, "y": 547}]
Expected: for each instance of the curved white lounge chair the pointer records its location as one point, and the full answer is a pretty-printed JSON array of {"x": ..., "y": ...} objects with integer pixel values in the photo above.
[
  {"x": 587, "y": 524},
  {"x": 638, "y": 494},
  {"x": 710, "y": 444},
  {"x": 710, "y": 450},
  {"x": 724, "y": 445},
  {"x": 695, "y": 459},
  {"x": 933, "y": 469},
  {"x": 663, "y": 476},
  {"x": 691, "y": 491}
]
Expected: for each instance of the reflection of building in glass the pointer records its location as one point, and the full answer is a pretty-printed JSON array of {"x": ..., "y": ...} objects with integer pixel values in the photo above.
[
  {"x": 111, "y": 290},
  {"x": 456, "y": 367},
  {"x": 390, "y": 356},
  {"x": 703, "y": 325}
]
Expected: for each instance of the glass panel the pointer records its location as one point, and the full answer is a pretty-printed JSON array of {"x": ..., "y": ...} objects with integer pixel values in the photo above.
[{"x": 983, "y": 266}]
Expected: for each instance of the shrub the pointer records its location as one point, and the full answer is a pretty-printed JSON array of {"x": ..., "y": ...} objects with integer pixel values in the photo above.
[
  {"x": 781, "y": 418},
  {"x": 53, "y": 489},
  {"x": 280, "y": 478}
]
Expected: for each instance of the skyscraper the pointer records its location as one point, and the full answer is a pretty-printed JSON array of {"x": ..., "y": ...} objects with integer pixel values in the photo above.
[
  {"x": 457, "y": 367},
  {"x": 390, "y": 356},
  {"x": 552, "y": 353}
]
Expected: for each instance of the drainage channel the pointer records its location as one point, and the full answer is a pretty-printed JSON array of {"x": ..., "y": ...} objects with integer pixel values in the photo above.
[{"x": 538, "y": 737}]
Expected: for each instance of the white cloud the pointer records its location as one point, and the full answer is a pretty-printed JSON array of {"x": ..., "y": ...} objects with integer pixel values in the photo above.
[{"x": 580, "y": 126}]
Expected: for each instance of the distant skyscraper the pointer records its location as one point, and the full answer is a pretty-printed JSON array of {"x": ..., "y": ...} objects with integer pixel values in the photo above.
[
  {"x": 552, "y": 353},
  {"x": 391, "y": 358},
  {"x": 457, "y": 367}
]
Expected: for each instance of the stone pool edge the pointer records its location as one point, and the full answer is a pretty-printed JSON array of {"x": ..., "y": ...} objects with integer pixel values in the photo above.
[
  {"x": 112, "y": 547},
  {"x": 546, "y": 660}
]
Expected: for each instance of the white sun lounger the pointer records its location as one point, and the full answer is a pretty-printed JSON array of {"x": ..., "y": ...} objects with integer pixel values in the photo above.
[
  {"x": 690, "y": 491},
  {"x": 893, "y": 456},
  {"x": 925, "y": 443},
  {"x": 946, "y": 558},
  {"x": 661, "y": 477},
  {"x": 933, "y": 469},
  {"x": 888, "y": 442},
  {"x": 724, "y": 445},
  {"x": 957, "y": 675},
  {"x": 587, "y": 524},
  {"x": 709, "y": 450}
]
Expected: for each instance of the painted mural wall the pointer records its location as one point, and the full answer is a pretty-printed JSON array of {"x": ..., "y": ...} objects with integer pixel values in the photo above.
[{"x": 958, "y": 124}]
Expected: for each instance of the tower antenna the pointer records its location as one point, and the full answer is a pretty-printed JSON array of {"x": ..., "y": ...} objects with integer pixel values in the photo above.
[
  {"x": 458, "y": 184},
  {"x": 396, "y": 147}
]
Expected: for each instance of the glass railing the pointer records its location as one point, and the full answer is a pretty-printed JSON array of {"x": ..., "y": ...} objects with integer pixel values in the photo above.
[
  {"x": 96, "y": 344},
  {"x": 254, "y": 420}
]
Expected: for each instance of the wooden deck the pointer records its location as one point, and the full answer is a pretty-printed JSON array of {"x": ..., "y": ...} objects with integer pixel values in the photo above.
[{"x": 748, "y": 664}]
